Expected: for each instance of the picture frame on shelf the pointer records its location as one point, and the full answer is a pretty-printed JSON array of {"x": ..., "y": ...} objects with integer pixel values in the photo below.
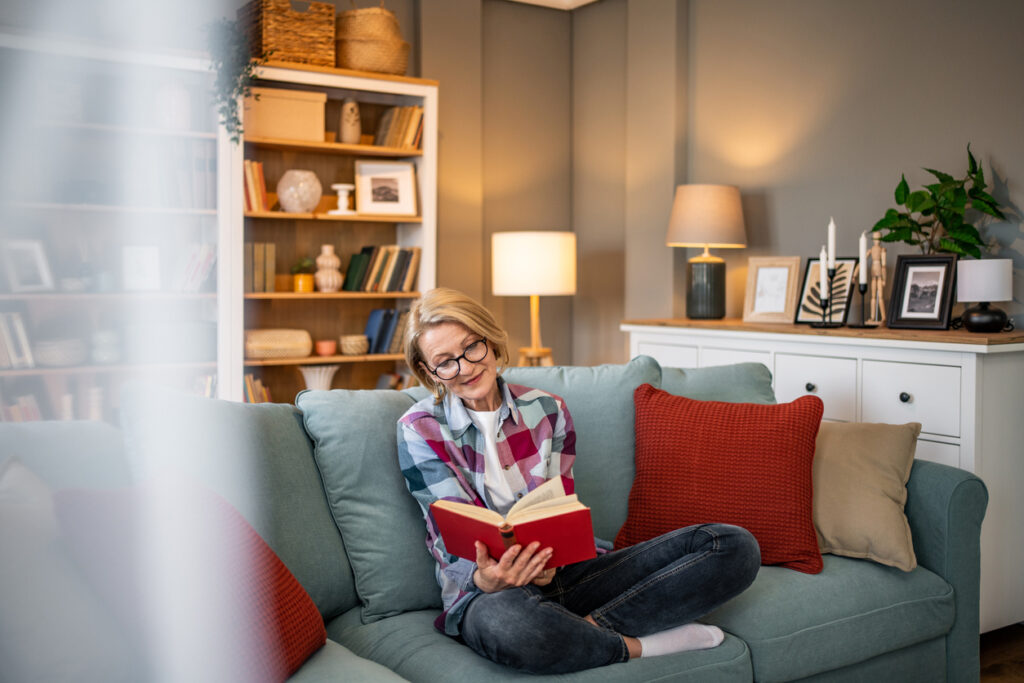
[
  {"x": 809, "y": 308},
  {"x": 386, "y": 188},
  {"x": 772, "y": 283},
  {"x": 26, "y": 265},
  {"x": 922, "y": 291}
]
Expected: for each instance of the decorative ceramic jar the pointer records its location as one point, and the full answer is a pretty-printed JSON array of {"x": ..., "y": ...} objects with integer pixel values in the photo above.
[
  {"x": 299, "y": 191},
  {"x": 350, "y": 126},
  {"x": 328, "y": 277}
]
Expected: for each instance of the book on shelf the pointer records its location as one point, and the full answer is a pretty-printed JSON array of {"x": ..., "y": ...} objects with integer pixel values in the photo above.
[
  {"x": 375, "y": 323},
  {"x": 399, "y": 333},
  {"x": 356, "y": 268},
  {"x": 259, "y": 268},
  {"x": 400, "y": 126},
  {"x": 383, "y": 341},
  {"x": 196, "y": 267},
  {"x": 254, "y": 390},
  {"x": 382, "y": 268},
  {"x": 255, "y": 186},
  {"x": 14, "y": 339},
  {"x": 546, "y": 514},
  {"x": 396, "y": 380}
]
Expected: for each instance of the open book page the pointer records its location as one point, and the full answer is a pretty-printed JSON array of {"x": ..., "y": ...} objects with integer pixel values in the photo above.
[{"x": 550, "y": 490}]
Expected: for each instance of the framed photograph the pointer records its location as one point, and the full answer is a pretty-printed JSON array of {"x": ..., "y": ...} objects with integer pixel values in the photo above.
[
  {"x": 809, "y": 310},
  {"x": 772, "y": 283},
  {"x": 922, "y": 291},
  {"x": 26, "y": 266},
  {"x": 386, "y": 188}
]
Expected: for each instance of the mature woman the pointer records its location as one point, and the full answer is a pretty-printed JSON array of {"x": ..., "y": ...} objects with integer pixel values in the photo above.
[{"x": 482, "y": 440}]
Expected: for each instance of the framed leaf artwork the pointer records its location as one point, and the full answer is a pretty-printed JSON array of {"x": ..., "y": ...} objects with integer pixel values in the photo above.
[{"x": 809, "y": 309}]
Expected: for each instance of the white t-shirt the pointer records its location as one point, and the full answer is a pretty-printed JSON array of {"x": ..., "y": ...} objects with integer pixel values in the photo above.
[{"x": 501, "y": 494}]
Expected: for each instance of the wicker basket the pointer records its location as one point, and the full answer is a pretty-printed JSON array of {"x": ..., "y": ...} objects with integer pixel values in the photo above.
[
  {"x": 290, "y": 35},
  {"x": 370, "y": 39},
  {"x": 353, "y": 344},
  {"x": 275, "y": 343}
]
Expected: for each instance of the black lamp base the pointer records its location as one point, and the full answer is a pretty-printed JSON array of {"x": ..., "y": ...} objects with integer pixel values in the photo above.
[
  {"x": 705, "y": 289},
  {"x": 983, "y": 318}
]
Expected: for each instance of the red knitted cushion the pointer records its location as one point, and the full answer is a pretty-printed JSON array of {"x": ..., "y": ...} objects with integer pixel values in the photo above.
[
  {"x": 181, "y": 560},
  {"x": 735, "y": 463}
]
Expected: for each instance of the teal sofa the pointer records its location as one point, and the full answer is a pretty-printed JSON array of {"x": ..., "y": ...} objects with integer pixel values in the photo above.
[{"x": 319, "y": 482}]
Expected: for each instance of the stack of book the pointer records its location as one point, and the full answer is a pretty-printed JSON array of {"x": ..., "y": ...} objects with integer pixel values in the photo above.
[
  {"x": 259, "y": 266},
  {"x": 255, "y": 187},
  {"x": 396, "y": 380},
  {"x": 198, "y": 265},
  {"x": 15, "y": 350},
  {"x": 255, "y": 390},
  {"x": 400, "y": 127},
  {"x": 383, "y": 268},
  {"x": 385, "y": 328},
  {"x": 24, "y": 409}
]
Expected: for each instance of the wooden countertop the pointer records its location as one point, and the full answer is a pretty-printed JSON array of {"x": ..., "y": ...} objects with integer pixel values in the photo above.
[{"x": 960, "y": 336}]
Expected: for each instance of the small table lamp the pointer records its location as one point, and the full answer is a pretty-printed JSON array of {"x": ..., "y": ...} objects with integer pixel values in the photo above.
[
  {"x": 706, "y": 216},
  {"x": 982, "y": 282},
  {"x": 534, "y": 264}
]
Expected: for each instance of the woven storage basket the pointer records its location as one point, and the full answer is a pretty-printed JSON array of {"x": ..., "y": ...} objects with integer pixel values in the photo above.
[
  {"x": 369, "y": 39},
  {"x": 354, "y": 344},
  {"x": 298, "y": 35},
  {"x": 277, "y": 343}
]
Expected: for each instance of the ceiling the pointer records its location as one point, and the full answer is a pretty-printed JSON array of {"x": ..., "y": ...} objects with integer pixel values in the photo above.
[{"x": 557, "y": 4}]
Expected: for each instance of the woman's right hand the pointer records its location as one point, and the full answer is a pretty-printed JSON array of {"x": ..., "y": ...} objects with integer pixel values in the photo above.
[{"x": 518, "y": 566}]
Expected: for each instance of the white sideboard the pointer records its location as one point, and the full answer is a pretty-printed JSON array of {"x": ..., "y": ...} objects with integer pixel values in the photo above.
[{"x": 966, "y": 390}]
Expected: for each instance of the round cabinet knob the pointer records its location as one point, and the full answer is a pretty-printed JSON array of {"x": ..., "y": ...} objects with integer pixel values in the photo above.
[
  {"x": 811, "y": 387},
  {"x": 904, "y": 397}
]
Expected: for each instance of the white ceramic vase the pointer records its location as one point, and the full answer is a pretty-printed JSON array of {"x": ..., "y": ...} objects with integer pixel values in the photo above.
[
  {"x": 350, "y": 126},
  {"x": 318, "y": 377},
  {"x": 299, "y": 191},
  {"x": 328, "y": 276}
]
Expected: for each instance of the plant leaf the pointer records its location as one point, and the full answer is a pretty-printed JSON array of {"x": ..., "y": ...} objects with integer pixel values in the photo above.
[
  {"x": 943, "y": 177},
  {"x": 902, "y": 190},
  {"x": 919, "y": 201},
  {"x": 972, "y": 165}
]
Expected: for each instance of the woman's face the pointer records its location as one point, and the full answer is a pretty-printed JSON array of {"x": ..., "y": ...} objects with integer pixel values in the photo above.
[{"x": 477, "y": 383}]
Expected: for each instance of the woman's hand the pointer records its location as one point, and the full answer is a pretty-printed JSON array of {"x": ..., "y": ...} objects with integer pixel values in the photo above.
[
  {"x": 518, "y": 566},
  {"x": 544, "y": 578}
]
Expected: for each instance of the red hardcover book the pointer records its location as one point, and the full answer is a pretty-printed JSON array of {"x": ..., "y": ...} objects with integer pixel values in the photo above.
[{"x": 546, "y": 514}]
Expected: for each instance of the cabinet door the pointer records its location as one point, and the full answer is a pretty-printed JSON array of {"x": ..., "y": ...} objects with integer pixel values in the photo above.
[
  {"x": 912, "y": 392},
  {"x": 669, "y": 355},
  {"x": 833, "y": 380},
  {"x": 712, "y": 356}
]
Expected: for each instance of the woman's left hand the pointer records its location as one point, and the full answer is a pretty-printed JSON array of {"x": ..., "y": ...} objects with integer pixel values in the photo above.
[{"x": 544, "y": 578}]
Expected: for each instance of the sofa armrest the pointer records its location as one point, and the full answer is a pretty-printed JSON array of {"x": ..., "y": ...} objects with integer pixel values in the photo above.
[{"x": 945, "y": 508}]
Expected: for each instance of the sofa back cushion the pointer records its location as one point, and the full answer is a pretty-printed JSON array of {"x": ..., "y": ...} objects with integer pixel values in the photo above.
[
  {"x": 600, "y": 400},
  {"x": 737, "y": 383},
  {"x": 356, "y": 451},
  {"x": 258, "y": 457}
]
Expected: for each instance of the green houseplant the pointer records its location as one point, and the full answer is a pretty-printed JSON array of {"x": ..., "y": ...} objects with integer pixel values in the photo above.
[
  {"x": 935, "y": 218},
  {"x": 234, "y": 68}
]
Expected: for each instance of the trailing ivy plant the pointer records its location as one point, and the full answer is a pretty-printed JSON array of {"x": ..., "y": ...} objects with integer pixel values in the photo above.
[
  {"x": 235, "y": 71},
  {"x": 935, "y": 218}
]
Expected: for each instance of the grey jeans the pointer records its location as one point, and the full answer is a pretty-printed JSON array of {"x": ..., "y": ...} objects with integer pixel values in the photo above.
[{"x": 667, "y": 581}]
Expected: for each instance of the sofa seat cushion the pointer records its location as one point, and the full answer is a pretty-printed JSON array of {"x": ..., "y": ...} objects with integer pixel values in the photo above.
[
  {"x": 334, "y": 662},
  {"x": 798, "y": 625},
  {"x": 410, "y": 645}
]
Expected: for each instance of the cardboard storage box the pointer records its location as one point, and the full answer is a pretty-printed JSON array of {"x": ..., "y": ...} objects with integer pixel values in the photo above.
[{"x": 285, "y": 114}]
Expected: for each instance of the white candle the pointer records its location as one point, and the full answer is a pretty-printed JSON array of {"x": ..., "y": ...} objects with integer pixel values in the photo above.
[
  {"x": 863, "y": 255},
  {"x": 831, "y": 243},
  {"x": 822, "y": 281}
]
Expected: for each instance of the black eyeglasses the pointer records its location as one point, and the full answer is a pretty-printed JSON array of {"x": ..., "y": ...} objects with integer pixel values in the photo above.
[{"x": 450, "y": 369}]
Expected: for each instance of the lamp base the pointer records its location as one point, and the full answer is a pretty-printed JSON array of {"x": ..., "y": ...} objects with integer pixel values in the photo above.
[
  {"x": 535, "y": 356},
  {"x": 983, "y": 318},
  {"x": 705, "y": 288}
]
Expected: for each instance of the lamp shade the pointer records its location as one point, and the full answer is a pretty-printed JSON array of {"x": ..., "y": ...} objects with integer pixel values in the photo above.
[
  {"x": 706, "y": 216},
  {"x": 985, "y": 280},
  {"x": 540, "y": 262}
]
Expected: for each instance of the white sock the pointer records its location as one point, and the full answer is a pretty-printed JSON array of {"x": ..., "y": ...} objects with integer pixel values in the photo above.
[{"x": 691, "y": 636}]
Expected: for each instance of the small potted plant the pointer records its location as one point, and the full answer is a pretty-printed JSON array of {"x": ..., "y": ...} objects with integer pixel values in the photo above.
[
  {"x": 302, "y": 275},
  {"x": 935, "y": 218}
]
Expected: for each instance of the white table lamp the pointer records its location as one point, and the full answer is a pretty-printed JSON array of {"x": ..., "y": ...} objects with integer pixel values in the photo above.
[
  {"x": 534, "y": 264},
  {"x": 981, "y": 282},
  {"x": 707, "y": 216}
]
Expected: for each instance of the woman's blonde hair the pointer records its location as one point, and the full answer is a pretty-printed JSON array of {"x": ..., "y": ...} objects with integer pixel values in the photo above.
[{"x": 443, "y": 305}]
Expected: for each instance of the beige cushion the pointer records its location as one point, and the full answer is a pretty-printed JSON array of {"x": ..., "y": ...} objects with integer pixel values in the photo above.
[{"x": 860, "y": 488}]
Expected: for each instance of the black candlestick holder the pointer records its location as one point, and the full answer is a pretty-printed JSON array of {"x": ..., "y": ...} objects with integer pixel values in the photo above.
[
  {"x": 862, "y": 288},
  {"x": 826, "y": 308}
]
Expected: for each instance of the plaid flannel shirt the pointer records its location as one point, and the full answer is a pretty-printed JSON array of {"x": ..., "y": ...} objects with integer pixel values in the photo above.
[{"x": 441, "y": 453}]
